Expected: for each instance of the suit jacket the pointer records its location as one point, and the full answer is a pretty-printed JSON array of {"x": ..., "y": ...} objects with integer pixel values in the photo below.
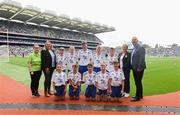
[
  {"x": 138, "y": 58},
  {"x": 126, "y": 60},
  {"x": 46, "y": 59}
]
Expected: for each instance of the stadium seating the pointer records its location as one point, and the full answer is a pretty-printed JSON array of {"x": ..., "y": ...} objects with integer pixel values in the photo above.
[{"x": 22, "y": 37}]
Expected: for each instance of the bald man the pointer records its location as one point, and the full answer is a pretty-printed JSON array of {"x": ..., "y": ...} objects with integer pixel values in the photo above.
[{"x": 138, "y": 66}]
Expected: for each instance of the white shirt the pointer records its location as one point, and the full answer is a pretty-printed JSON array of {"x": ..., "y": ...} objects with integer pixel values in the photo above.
[
  {"x": 102, "y": 80},
  {"x": 121, "y": 60},
  {"x": 117, "y": 77},
  {"x": 89, "y": 79},
  {"x": 97, "y": 60},
  {"x": 132, "y": 54},
  {"x": 109, "y": 61},
  {"x": 59, "y": 78},
  {"x": 74, "y": 77},
  {"x": 62, "y": 61},
  {"x": 52, "y": 56},
  {"x": 84, "y": 57},
  {"x": 71, "y": 59}
]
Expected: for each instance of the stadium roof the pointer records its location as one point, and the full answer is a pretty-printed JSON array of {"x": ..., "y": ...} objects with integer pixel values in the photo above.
[{"x": 13, "y": 10}]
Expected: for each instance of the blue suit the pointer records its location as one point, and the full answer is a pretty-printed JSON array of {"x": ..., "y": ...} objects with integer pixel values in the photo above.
[{"x": 138, "y": 65}]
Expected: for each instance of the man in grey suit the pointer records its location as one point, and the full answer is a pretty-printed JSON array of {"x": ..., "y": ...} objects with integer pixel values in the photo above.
[{"x": 138, "y": 66}]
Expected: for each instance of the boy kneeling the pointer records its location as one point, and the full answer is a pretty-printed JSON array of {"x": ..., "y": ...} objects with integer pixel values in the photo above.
[
  {"x": 102, "y": 79},
  {"x": 89, "y": 78},
  {"x": 74, "y": 78},
  {"x": 59, "y": 80},
  {"x": 116, "y": 82}
]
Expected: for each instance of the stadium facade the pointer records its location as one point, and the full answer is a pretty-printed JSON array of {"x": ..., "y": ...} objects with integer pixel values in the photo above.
[{"x": 25, "y": 26}]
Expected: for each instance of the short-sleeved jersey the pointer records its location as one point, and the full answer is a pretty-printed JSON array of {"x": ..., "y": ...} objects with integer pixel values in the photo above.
[
  {"x": 71, "y": 59},
  {"x": 109, "y": 62},
  {"x": 59, "y": 78},
  {"x": 84, "y": 57},
  {"x": 117, "y": 77},
  {"x": 89, "y": 79},
  {"x": 97, "y": 59},
  {"x": 61, "y": 60},
  {"x": 74, "y": 77},
  {"x": 102, "y": 80}
]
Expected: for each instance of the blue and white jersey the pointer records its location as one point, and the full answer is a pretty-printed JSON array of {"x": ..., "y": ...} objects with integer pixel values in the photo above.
[
  {"x": 74, "y": 77},
  {"x": 117, "y": 77},
  {"x": 59, "y": 78},
  {"x": 85, "y": 57},
  {"x": 61, "y": 60},
  {"x": 102, "y": 80},
  {"x": 71, "y": 59},
  {"x": 109, "y": 62},
  {"x": 97, "y": 59},
  {"x": 89, "y": 79}
]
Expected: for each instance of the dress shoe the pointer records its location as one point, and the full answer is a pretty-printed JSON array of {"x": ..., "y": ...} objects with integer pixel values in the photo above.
[
  {"x": 37, "y": 94},
  {"x": 135, "y": 99},
  {"x": 140, "y": 97}
]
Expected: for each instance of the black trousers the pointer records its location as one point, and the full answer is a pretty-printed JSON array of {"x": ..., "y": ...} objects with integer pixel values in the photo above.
[
  {"x": 47, "y": 81},
  {"x": 35, "y": 77},
  {"x": 127, "y": 81},
  {"x": 138, "y": 75}
]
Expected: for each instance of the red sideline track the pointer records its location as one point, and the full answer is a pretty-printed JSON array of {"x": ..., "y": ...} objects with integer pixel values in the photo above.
[{"x": 13, "y": 92}]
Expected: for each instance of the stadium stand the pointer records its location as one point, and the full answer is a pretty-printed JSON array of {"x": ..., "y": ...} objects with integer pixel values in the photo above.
[
  {"x": 163, "y": 52},
  {"x": 28, "y": 25}
]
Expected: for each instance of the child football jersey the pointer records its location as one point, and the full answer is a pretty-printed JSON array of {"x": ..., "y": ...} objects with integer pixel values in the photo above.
[
  {"x": 102, "y": 80},
  {"x": 74, "y": 77},
  {"x": 71, "y": 59},
  {"x": 109, "y": 63},
  {"x": 59, "y": 78},
  {"x": 117, "y": 77},
  {"x": 89, "y": 79},
  {"x": 62, "y": 61},
  {"x": 97, "y": 59},
  {"x": 84, "y": 57}
]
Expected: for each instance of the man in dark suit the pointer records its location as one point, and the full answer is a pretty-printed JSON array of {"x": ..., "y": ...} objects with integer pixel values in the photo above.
[
  {"x": 138, "y": 66},
  {"x": 48, "y": 64}
]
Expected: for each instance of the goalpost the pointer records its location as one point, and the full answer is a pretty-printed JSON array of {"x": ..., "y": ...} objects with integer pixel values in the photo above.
[{"x": 4, "y": 49}]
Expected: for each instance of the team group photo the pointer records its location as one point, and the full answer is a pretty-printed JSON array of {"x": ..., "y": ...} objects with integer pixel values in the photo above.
[
  {"x": 89, "y": 57},
  {"x": 103, "y": 76}
]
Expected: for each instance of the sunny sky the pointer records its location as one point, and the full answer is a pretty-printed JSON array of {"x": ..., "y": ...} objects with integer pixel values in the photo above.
[{"x": 152, "y": 21}]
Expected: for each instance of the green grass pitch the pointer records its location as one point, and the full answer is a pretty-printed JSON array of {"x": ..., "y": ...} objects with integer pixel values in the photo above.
[{"x": 161, "y": 76}]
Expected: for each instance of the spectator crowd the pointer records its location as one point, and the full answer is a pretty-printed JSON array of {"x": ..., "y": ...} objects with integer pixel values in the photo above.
[{"x": 45, "y": 31}]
